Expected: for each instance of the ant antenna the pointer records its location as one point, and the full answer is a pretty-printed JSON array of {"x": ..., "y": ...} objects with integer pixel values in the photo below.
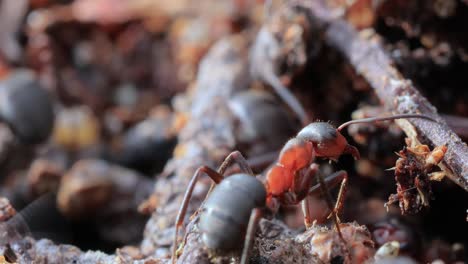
[{"x": 375, "y": 119}]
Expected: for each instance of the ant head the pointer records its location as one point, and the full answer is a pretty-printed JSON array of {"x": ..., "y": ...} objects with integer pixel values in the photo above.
[{"x": 328, "y": 141}]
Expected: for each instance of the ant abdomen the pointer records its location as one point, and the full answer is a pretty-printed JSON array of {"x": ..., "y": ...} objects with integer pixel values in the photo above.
[{"x": 225, "y": 216}]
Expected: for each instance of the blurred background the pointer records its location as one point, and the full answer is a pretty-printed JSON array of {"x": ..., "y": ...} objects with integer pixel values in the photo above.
[
  {"x": 109, "y": 70},
  {"x": 93, "y": 98}
]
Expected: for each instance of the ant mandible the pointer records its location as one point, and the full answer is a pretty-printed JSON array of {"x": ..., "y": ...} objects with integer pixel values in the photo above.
[{"x": 224, "y": 216}]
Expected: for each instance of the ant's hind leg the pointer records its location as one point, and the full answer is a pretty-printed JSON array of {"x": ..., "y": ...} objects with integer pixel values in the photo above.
[
  {"x": 216, "y": 177},
  {"x": 237, "y": 157},
  {"x": 255, "y": 217},
  {"x": 234, "y": 156}
]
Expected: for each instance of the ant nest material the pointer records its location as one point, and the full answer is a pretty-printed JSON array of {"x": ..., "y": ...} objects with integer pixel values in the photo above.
[
  {"x": 327, "y": 245},
  {"x": 414, "y": 170}
]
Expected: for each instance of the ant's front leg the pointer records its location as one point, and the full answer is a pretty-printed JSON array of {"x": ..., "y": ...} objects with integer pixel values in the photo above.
[
  {"x": 335, "y": 178},
  {"x": 322, "y": 187},
  {"x": 330, "y": 182}
]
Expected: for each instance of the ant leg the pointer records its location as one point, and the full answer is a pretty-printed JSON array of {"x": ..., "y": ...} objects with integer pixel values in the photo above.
[
  {"x": 305, "y": 183},
  {"x": 332, "y": 181},
  {"x": 305, "y": 210},
  {"x": 255, "y": 217},
  {"x": 327, "y": 194},
  {"x": 237, "y": 157},
  {"x": 259, "y": 162},
  {"x": 234, "y": 156},
  {"x": 215, "y": 176},
  {"x": 343, "y": 176}
]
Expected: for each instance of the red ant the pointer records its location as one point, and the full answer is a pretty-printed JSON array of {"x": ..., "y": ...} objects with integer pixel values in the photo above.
[{"x": 224, "y": 217}]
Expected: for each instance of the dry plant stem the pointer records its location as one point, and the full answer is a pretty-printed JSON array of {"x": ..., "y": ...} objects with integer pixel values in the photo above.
[{"x": 396, "y": 93}]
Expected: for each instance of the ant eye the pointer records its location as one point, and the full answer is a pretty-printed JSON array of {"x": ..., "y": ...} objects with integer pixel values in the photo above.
[{"x": 26, "y": 107}]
